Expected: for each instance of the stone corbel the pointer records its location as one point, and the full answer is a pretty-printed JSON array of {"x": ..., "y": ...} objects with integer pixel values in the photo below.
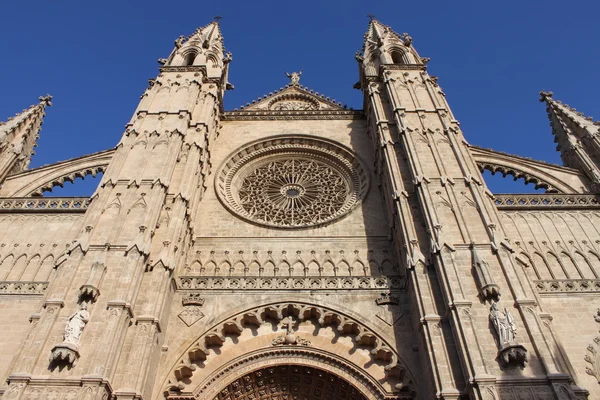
[
  {"x": 512, "y": 354},
  {"x": 65, "y": 353}
]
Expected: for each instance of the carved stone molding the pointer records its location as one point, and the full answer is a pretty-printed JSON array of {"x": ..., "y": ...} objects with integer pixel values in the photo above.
[
  {"x": 280, "y": 381},
  {"x": 35, "y": 288},
  {"x": 215, "y": 337},
  {"x": 271, "y": 115},
  {"x": 291, "y": 283},
  {"x": 546, "y": 201},
  {"x": 557, "y": 286},
  {"x": 45, "y": 205},
  {"x": 593, "y": 359},
  {"x": 290, "y": 356},
  {"x": 291, "y": 182}
]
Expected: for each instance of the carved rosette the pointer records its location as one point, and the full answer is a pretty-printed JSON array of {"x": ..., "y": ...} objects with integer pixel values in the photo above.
[{"x": 292, "y": 182}]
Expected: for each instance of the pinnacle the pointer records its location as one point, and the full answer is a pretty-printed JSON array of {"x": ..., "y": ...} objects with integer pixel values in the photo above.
[
  {"x": 12, "y": 122},
  {"x": 564, "y": 111}
]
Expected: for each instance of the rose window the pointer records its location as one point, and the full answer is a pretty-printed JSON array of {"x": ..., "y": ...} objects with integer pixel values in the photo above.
[{"x": 292, "y": 183}]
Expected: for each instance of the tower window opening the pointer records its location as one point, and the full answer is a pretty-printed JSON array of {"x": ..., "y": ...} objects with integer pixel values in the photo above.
[
  {"x": 398, "y": 57},
  {"x": 189, "y": 58}
]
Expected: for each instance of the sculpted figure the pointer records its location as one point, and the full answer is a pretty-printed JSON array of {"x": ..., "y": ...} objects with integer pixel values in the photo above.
[
  {"x": 75, "y": 325},
  {"x": 504, "y": 324},
  {"x": 294, "y": 77}
]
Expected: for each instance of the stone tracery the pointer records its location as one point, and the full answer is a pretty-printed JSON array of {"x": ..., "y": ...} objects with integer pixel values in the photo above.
[
  {"x": 293, "y": 192},
  {"x": 292, "y": 182}
]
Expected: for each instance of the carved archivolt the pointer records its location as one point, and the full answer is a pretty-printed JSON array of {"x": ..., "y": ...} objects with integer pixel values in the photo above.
[
  {"x": 348, "y": 378},
  {"x": 292, "y": 182},
  {"x": 283, "y": 380},
  {"x": 214, "y": 338}
]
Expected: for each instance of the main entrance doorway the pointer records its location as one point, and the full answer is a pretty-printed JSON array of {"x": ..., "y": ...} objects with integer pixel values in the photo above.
[{"x": 289, "y": 382}]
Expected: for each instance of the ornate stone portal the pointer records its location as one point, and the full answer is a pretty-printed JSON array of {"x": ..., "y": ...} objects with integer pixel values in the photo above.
[{"x": 289, "y": 382}]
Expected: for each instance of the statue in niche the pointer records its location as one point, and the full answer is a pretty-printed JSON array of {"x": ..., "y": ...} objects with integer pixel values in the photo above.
[
  {"x": 75, "y": 325},
  {"x": 294, "y": 77},
  {"x": 504, "y": 324}
]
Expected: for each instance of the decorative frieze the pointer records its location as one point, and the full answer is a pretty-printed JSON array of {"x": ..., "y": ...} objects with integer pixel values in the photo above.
[
  {"x": 54, "y": 204},
  {"x": 291, "y": 283},
  {"x": 546, "y": 201},
  {"x": 10, "y": 287},
  {"x": 287, "y": 115},
  {"x": 554, "y": 286}
]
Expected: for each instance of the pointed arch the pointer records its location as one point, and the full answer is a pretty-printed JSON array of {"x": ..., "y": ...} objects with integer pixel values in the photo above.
[
  {"x": 569, "y": 266},
  {"x": 542, "y": 267},
  {"x": 358, "y": 268},
  {"x": 328, "y": 268},
  {"x": 344, "y": 268},
  {"x": 195, "y": 267},
  {"x": 17, "y": 268},
  {"x": 32, "y": 268},
  {"x": 6, "y": 266},
  {"x": 555, "y": 266},
  {"x": 586, "y": 268},
  {"x": 313, "y": 268}
]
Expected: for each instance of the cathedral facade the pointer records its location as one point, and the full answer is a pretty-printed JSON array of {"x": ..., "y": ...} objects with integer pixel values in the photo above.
[{"x": 295, "y": 249}]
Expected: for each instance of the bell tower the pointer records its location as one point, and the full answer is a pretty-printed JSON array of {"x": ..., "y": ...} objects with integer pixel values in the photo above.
[
  {"x": 111, "y": 288},
  {"x": 461, "y": 269}
]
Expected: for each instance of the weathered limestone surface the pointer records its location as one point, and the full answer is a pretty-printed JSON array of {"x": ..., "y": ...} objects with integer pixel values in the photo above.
[{"x": 294, "y": 247}]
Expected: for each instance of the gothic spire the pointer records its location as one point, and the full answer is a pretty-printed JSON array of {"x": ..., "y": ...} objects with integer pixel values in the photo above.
[
  {"x": 203, "y": 48},
  {"x": 577, "y": 137},
  {"x": 18, "y": 136},
  {"x": 383, "y": 46},
  {"x": 566, "y": 118}
]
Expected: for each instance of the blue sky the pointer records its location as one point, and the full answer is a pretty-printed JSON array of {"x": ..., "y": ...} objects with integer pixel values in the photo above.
[{"x": 492, "y": 59}]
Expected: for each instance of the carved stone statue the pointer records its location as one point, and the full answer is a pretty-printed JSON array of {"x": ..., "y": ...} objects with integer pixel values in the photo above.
[
  {"x": 510, "y": 351},
  {"x": 179, "y": 41},
  {"x": 68, "y": 351},
  {"x": 75, "y": 325},
  {"x": 294, "y": 77},
  {"x": 504, "y": 324}
]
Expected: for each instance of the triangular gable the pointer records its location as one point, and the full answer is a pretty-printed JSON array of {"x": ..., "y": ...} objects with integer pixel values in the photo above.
[{"x": 294, "y": 97}]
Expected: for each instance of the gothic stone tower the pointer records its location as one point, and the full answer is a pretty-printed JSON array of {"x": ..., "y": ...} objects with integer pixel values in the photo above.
[{"x": 294, "y": 249}]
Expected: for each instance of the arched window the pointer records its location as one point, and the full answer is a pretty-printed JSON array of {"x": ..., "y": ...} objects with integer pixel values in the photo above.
[
  {"x": 189, "y": 58},
  {"x": 398, "y": 57}
]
